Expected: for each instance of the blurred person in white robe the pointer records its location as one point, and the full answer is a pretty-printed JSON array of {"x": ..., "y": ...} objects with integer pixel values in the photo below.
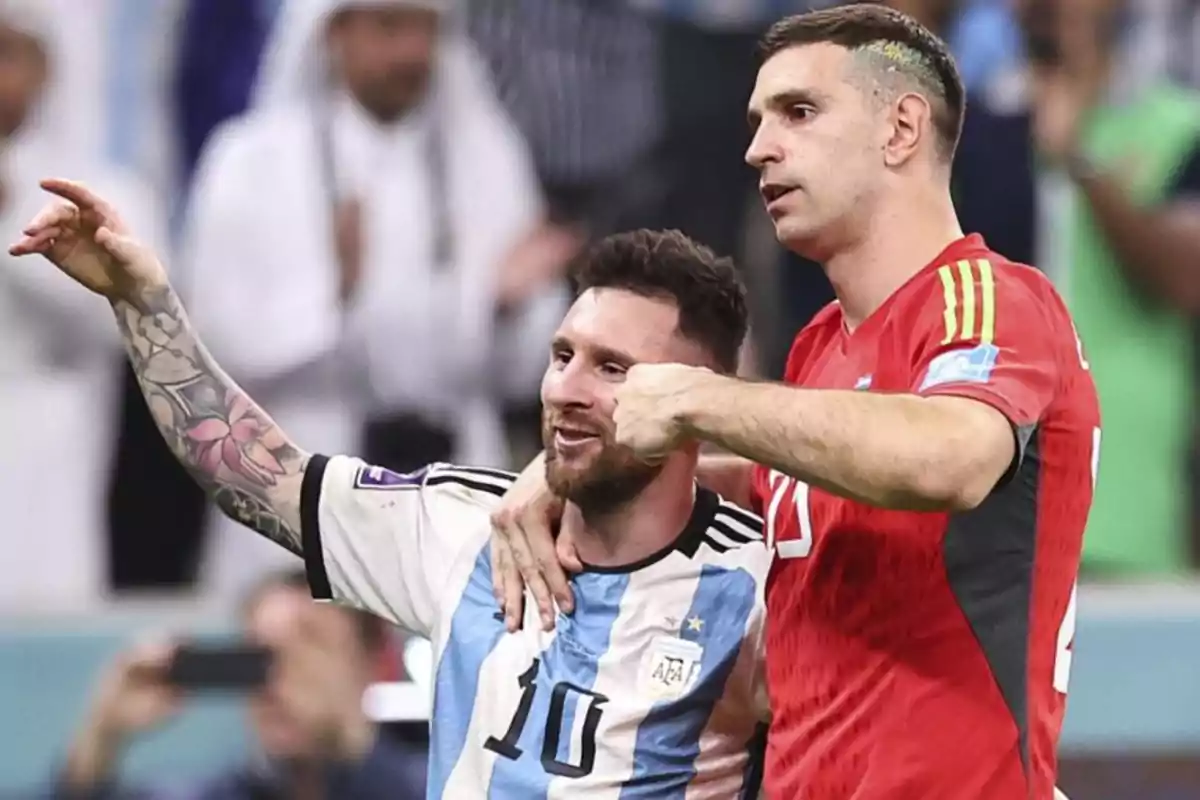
[
  {"x": 366, "y": 247},
  {"x": 59, "y": 357}
]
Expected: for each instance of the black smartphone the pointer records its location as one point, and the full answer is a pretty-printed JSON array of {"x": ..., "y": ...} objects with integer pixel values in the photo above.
[{"x": 237, "y": 667}]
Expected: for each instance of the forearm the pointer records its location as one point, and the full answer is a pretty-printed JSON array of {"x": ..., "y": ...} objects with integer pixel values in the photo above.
[
  {"x": 1155, "y": 251},
  {"x": 90, "y": 766},
  {"x": 228, "y": 444},
  {"x": 889, "y": 450},
  {"x": 727, "y": 475}
]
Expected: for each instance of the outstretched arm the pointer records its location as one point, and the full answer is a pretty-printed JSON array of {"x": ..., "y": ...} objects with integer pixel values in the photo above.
[{"x": 230, "y": 446}]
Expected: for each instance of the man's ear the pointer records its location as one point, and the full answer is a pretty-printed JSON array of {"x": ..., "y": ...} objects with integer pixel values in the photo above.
[{"x": 912, "y": 123}]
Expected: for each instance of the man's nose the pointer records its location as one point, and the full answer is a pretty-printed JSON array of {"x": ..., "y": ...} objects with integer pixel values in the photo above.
[
  {"x": 569, "y": 388},
  {"x": 763, "y": 148}
]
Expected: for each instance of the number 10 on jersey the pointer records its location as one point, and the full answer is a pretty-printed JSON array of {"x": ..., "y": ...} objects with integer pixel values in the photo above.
[
  {"x": 553, "y": 727},
  {"x": 782, "y": 486}
]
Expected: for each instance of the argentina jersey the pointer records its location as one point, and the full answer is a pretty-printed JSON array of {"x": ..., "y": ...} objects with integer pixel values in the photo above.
[{"x": 652, "y": 688}]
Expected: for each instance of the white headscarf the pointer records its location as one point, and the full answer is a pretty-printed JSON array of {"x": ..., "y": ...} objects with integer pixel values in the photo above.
[
  {"x": 493, "y": 199},
  {"x": 295, "y": 63}
]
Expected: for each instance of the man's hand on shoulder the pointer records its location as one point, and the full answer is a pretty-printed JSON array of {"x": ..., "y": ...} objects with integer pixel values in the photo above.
[{"x": 524, "y": 551}]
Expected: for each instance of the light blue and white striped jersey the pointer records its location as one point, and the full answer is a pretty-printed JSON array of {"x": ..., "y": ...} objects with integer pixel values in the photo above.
[{"x": 651, "y": 688}]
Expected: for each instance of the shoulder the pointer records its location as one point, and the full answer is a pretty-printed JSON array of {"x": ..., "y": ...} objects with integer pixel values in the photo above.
[
  {"x": 980, "y": 280},
  {"x": 1024, "y": 291},
  {"x": 734, "y": 524},
  {"x": 733, "y": 539},
  {"x": 473, "y": 480},
  {"x": 248, "y": 138},
  {"x": 476, "y": 485}
]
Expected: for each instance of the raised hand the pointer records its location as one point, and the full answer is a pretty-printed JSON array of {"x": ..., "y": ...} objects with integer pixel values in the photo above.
[{"x": 84, "y": 236}]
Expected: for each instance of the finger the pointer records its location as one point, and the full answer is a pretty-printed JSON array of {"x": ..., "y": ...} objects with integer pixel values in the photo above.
[
  {"x": 497, "y": 577},
  {"x": 36, "y": 244},
  {"x": 53, "y": 214},
  {"x": 513, "y": 600},
  {"x": 534, "y": 582},
  {"x": 546, "y": 554},
  {"x": 76, "y": 193}
]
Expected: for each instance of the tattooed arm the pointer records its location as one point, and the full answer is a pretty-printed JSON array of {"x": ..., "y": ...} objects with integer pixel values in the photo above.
[{"x": 229, "y": 445}]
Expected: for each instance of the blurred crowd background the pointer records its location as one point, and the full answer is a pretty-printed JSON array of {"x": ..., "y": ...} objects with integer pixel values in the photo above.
[{"x": 368, "y": 207}]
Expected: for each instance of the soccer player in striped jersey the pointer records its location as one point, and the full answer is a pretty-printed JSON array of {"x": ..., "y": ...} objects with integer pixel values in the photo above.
[{"x": 652, "y": 687}]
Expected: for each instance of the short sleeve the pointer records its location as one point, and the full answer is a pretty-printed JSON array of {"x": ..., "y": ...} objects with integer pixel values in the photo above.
[
  {"x": 988, "y": 336},
  {"x": 389, "y": 543}
]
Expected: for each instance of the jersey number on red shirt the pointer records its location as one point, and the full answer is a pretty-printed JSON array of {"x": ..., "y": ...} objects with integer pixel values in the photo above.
[{"x": 781, "y": 486}]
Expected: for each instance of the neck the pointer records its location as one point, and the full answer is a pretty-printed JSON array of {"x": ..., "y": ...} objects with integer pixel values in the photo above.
[
  {"x": 900, "y": 240},
  {"x": 639, "y": 528}
]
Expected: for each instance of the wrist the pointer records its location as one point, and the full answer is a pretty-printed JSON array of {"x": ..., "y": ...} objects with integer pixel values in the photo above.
[
  {"x": 693, "y": 405},
  {"x": 143, "y": 295},
  {"x": 92, "y": 755}
]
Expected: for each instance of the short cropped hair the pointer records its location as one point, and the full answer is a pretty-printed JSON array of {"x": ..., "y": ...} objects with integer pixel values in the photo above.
[
  {"x": 706, "y": 288},
  {"x": 373, "y": 632},
  {"x": 896, "y": 45}
]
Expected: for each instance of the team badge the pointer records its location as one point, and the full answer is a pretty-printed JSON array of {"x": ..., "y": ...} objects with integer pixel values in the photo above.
[
  {"x": 961, "y": 366},
  {"x": 671, "y": 668}
]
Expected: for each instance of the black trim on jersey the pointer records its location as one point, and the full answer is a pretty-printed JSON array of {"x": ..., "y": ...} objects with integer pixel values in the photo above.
[
  {"x": 440, "y": 478},
  {"x": 499, "y": 474},
  {"x": 989, "y": 556},
  {"x": 740, "y": 515},
  {"x": 687, "y": 542},
  {"x": 310, "y": 528},
  {"x": 727, "y": 530}
]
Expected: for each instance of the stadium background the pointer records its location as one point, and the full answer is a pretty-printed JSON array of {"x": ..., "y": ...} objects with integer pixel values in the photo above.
[{"x": 643, "y": 90}]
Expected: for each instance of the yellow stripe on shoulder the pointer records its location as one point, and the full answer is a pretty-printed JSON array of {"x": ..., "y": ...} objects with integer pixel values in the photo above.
[
  {"x": 968, "y": 298},
  {"x": 950, "y": 298},
  {"x": 987, "y": 302}
]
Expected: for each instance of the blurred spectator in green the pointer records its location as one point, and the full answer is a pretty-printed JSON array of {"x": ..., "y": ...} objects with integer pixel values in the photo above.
[
  {"x": 315, "y": 740},
  {"x": 1095, "y": 178}
]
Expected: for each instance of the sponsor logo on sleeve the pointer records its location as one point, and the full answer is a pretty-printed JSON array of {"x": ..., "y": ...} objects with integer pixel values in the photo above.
[
  {"x": 380, "y": 478},
  {"x": 972, "y": 365}
]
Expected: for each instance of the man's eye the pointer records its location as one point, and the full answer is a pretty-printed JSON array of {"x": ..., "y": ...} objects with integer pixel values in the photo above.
[
  {"x": 560, "y": 357},
  {"x": 611, "y": 368},
  {"x": 801, "y": 111}
]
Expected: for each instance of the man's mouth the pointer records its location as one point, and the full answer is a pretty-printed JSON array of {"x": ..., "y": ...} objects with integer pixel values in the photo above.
[
  {"x": 774, "y": 191},
  {"x": 572, "y": 436}
]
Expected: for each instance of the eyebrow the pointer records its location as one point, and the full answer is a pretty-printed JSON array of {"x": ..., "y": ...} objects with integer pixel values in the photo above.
[{"x": 788, "y": 97}]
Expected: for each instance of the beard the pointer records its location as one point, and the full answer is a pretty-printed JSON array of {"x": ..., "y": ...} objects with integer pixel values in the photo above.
[{"x": 601, "y": 482}]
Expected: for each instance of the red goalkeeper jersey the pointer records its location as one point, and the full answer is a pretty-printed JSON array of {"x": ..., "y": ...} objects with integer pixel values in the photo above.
[{"x": 924, "y": 656}]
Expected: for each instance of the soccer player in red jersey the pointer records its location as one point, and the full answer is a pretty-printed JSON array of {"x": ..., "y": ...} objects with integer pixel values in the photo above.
[{"x": 927, "y": 471}]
